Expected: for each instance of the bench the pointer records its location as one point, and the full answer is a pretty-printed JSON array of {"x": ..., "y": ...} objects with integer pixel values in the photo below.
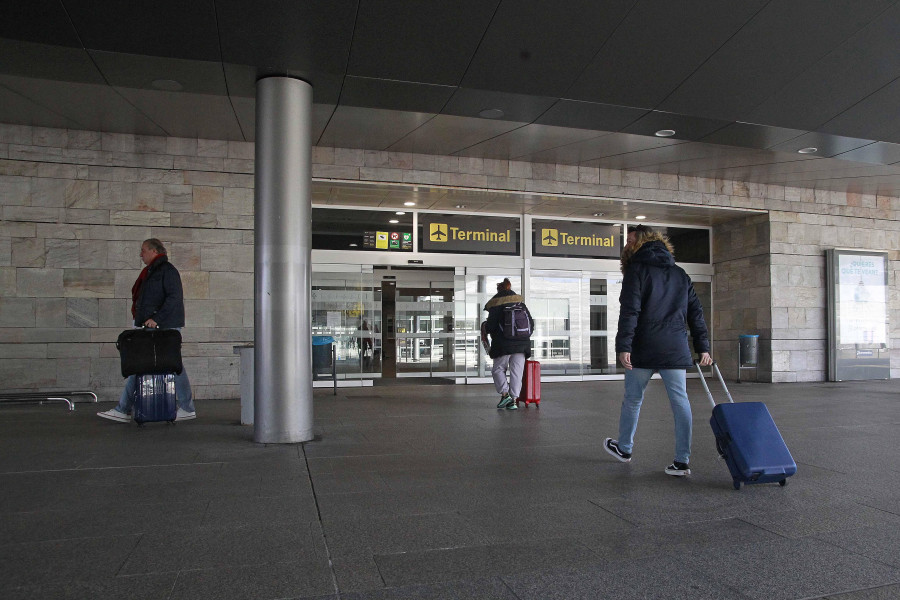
[{"x": 41, "y": 397}]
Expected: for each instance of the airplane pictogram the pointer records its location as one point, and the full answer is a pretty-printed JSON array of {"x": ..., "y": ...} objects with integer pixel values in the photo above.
[
  {"x": 549, "y": 237},
  {"x": 437, "y": 232}
]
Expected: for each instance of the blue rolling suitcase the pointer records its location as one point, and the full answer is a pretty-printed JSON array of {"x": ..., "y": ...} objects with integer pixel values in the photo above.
[
  {"x": 154, "y": 399},
  {"x": 748, "y": 439}
]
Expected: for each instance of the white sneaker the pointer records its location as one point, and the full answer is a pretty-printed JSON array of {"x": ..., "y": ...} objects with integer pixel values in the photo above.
[
  {"x": 114, "y": 415},
  {"x": 183, "y": 415}
]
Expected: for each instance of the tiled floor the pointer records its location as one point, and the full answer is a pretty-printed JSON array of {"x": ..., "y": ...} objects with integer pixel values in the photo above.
[{"x": 429, "y": 492}]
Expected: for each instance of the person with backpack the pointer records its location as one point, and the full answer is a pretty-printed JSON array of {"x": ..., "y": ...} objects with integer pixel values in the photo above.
[
  {"x": 658, "y": 305},
  {"x": 510, "y": 325}
]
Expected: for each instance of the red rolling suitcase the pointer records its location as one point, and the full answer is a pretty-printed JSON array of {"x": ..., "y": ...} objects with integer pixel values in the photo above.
[
  {"x": 748, "y": 439},
  {"x": 531, "y": 384}
]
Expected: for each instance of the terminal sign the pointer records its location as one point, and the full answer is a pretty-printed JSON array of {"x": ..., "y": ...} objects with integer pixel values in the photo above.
[
  {"x": 567, "y": 238},
  {"x": 446, "y": 233}
]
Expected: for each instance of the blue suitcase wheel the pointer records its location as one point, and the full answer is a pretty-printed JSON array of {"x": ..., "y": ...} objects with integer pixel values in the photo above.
[
  {"x": 783, "y": 482},
  {"x": 737, "y": 484}
]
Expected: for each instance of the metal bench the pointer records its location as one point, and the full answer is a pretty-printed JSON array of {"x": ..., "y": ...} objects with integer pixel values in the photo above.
[{"x": 53, "y": 396}]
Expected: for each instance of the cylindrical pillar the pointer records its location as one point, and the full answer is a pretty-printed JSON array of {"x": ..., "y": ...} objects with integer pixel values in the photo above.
[{"x": 283, "y": 400}]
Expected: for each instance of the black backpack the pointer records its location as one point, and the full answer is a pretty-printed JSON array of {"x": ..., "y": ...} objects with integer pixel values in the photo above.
[{"x": 514, "y": 322}]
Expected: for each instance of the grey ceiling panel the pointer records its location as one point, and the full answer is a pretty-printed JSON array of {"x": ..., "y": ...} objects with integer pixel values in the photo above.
[
  {"x": 827, "y": 145},
  {"x": 603, "y": 145},
  {"x": 855, "y": 69},
  {"x": 447, "y": 134},
  {"x": 277, "y": 37},
  {"x": 685, "y": 128},
  {"x": 590, "y": 115},
  {"x": 533, "y": 47},
  {"x": 881, "y": 153},
  {"x": 186, "y": 115},
  {"x": 140, "y": 71},
  {"x": 245, "y": 111},
  {"x": 43, "y": 61},
  {"x": 650, "y": 159},
  {"x": 369, "y": 128},
  {"x": 241, "y": 81},
  {"x": 526, "y": 141},
  {"x": 40, "y": 21},
  {"x": 777, "y": 45},
  {"x": 172, "y": 28},
  {"x": 395, "y": 95},
  {"x": 407, "y": 41},
  {"x": 658, "y": 46},
  {"x": 19, "y": 110},
  {"x": 875, "y": 117},
  {"x": 515, "y": 107},
  {"x": 94, "y": 107},
  {"x": 748, "y": 135}
]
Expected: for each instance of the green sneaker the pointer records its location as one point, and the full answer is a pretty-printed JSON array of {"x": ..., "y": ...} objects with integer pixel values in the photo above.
[
  {"x": 505, "y": 401},
  {"x": 513, "y": 405}
]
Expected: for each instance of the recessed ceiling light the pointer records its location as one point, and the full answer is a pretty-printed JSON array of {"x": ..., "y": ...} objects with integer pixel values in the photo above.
[
  {"x": 460, "y": 206},
  {"x": 640, "y": 217},
  {"x": 167, "y": 85},
  {"x": 808, "y": 150},
  {"x": 491, "y": 113},
  {"x": 353, "y": 245},
  {"x": 399, "y": 212},
  {"x": 665, "y": 133},
  {"x": 409, "y": 204},
  {"x": 393, "y": 221},
  {"x": 598, "y": 214}
]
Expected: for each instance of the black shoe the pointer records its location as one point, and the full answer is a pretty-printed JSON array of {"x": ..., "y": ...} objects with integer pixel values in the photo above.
[
  {"x": 612, "y": 446},
  {"x": 678, "y": 469}
]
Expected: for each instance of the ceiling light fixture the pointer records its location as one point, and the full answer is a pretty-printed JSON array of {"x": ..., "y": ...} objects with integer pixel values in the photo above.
[
  {"x": 640, "y": 217},
  {"x": 665, "y": 133},
  {"x": 809, "y": 150},
  {"x": 460, "y": 206},
  {"x": 409, "y": 204},
  {"x": 491, "y": 113},
  {"x": 399, "y": 212},
  {"x": 393, "y": 221},
  {"x": 353, "y": 245},
  {"x": 167, "y": 85},
  {"x": 598, "y": 214}
]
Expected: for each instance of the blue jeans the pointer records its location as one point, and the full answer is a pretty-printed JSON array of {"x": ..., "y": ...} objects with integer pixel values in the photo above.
[
  {"x": 183, "y": 394},
  {"x": 636, "y": 381}
]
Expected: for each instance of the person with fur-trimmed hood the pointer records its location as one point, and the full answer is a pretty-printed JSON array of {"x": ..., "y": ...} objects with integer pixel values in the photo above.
[
  {"x": 506, "y": 352},
  {"x": 658, "y": 304}
]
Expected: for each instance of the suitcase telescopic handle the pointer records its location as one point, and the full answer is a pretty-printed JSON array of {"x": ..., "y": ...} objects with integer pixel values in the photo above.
[{"x": 715, "y": 369}]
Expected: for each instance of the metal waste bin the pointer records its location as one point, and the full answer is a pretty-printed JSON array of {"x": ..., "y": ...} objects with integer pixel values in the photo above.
[{"x": 748, "y": 353}]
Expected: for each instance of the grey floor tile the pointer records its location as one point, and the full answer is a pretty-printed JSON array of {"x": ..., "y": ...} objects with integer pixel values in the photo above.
[
  {"x": 481, "y": 589},
  {"x": 138, "y": 587},
  {"x": 631, "y": 580},
  {"x": 837, "y": 516},
  {"x": 887, "y": 592},
  {"x": 242, "y": 511},
  {"x": 258, "y": 582},
  {"x": 791, "y": 569},
  {"x": 413, "y": 568},
  {"x": 878, "y": 543},
  {"x": 357, "y": 573}
]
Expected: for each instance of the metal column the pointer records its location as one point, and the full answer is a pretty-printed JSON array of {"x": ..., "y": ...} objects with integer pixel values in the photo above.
[{"x": 283, "y": 400}]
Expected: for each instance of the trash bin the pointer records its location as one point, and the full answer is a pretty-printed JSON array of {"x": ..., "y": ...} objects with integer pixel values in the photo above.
[
  {"x": 321, "y": 354},
  {"x": 749, "y": 350}
]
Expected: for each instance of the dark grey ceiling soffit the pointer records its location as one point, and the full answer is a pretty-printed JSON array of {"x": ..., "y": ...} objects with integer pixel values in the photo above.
[{"x": 743, "y": 85}]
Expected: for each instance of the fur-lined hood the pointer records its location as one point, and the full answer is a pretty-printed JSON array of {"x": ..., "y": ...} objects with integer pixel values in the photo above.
[
  {"x": 504, "y": 297},
  {"x": 662, "y": 247}
]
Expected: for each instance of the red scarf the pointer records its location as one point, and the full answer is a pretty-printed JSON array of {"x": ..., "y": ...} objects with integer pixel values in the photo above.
[{"x": 136, "y": 288}]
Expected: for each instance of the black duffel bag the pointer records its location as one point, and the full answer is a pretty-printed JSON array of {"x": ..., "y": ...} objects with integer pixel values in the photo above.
[{"x": 150, "y": 351}]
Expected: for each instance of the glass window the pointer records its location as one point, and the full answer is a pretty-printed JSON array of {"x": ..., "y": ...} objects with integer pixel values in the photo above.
[
  {"x": 363, "y": 230},
  {"x": 691, "y": 245}
]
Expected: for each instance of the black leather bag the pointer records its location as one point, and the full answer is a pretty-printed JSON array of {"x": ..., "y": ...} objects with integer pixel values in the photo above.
[{"x": 150, "y": 351}]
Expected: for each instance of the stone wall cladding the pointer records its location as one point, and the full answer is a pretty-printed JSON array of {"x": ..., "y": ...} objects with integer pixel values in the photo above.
[{"x": 75, "y": 205}]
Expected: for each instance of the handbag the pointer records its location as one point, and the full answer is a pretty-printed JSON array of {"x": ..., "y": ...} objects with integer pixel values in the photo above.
[{"x": 150, "y": 351}]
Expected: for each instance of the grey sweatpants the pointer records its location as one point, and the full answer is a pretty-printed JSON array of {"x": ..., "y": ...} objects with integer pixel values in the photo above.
[{"x": 516, "y": 364}]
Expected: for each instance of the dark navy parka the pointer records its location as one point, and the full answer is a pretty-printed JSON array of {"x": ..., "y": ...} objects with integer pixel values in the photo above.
[
  {"x": 656, "y": 304},
  {"x": 500, "y": 346},
  {"x": 161, "y": 296}
]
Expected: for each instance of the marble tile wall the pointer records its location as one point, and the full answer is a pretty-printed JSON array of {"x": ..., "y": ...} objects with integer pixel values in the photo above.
[{"x": 75, "y": 205}]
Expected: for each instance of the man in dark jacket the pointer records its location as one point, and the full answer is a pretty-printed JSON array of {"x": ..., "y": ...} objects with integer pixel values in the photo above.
[
  {"x": 157, "y": 301},
  {"x": 657, "y": 303},
  {"x": 505, "y": 351}
]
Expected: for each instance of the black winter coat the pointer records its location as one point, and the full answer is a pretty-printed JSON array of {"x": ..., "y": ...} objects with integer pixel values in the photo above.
[
  {"x": 161, "y": 297},
  {"x": 500, "y": 346},
  {"x": 656, "y": 304}
]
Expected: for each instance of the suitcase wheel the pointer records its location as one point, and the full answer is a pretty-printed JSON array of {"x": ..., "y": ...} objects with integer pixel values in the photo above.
[
  {"x": 737, "y": 484},
  {"x": 783, "y": 482}
]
